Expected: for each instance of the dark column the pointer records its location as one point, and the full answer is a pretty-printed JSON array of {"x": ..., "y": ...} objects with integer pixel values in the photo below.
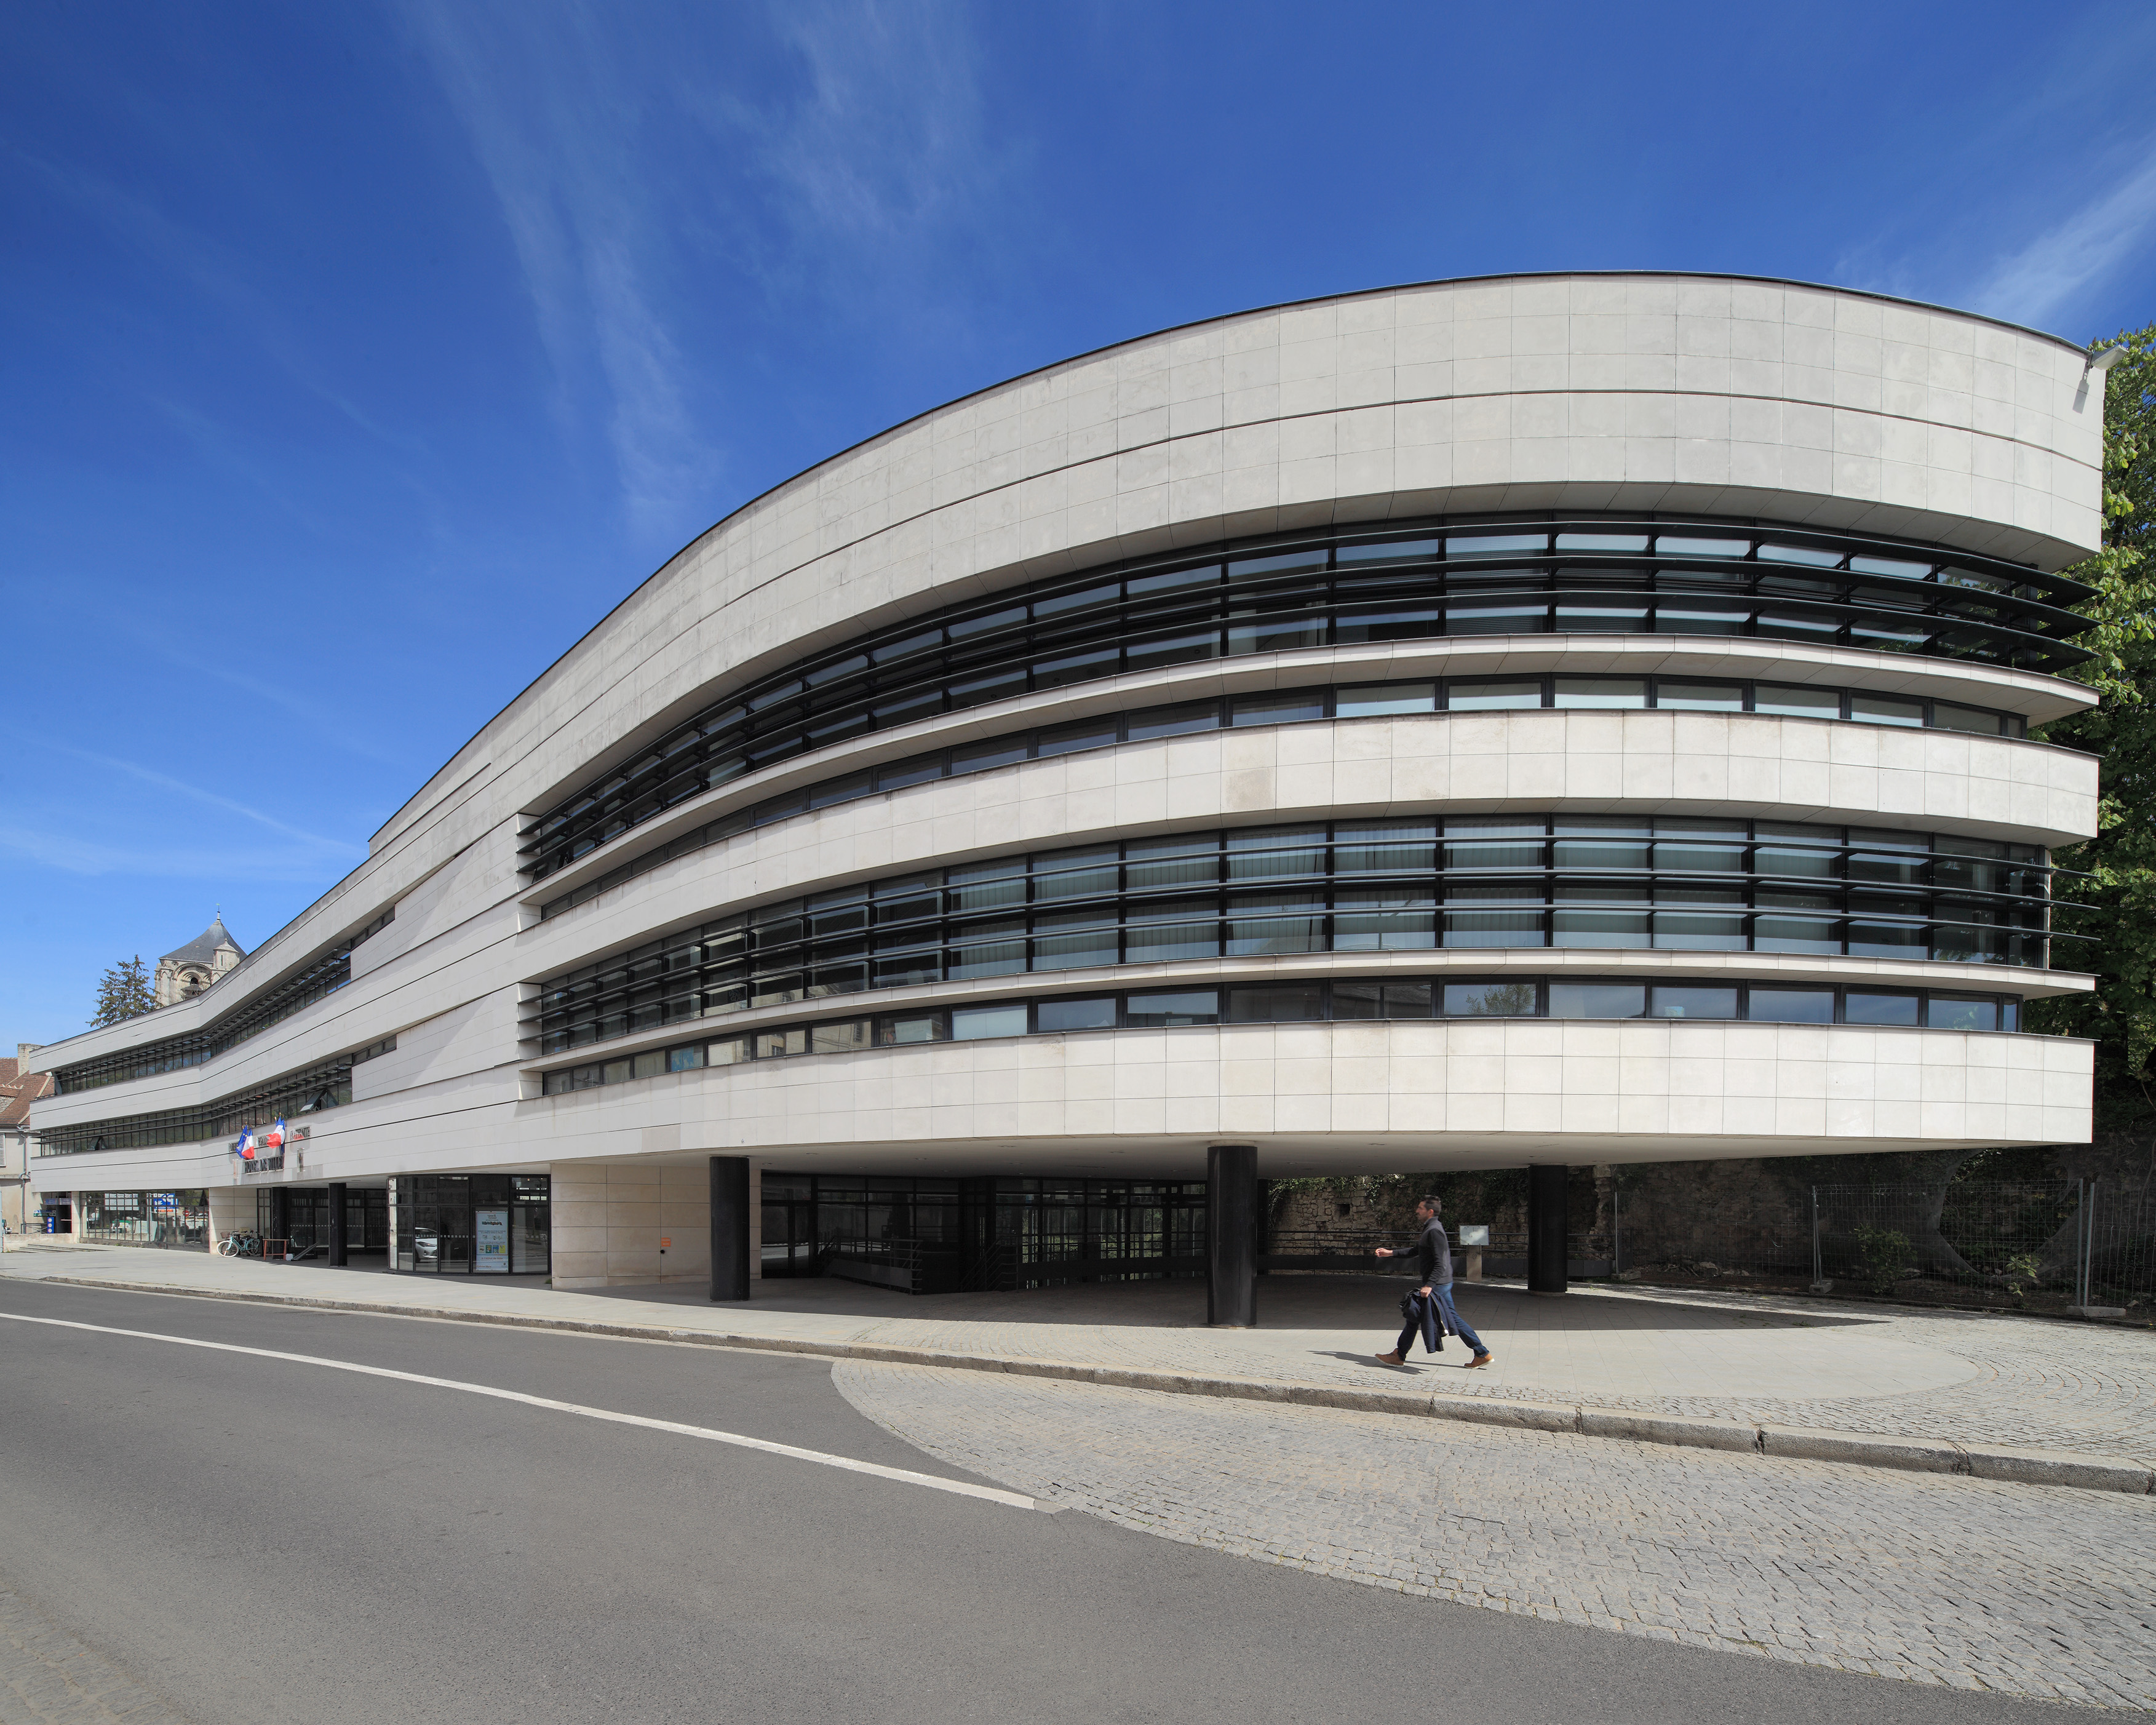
[
  {"x": 336, "y": 1222},
  {"x": 729, "y": 1264},
  {"x": 1231, "y": 1236},
  {"x": 1545, "y": 1228}
]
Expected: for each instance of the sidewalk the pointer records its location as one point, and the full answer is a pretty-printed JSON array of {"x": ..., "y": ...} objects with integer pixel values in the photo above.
[{"x": 1965, "y": 1393}]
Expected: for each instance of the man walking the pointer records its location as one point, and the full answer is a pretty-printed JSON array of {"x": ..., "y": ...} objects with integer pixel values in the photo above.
[{"x": 1434, "y": 1254}]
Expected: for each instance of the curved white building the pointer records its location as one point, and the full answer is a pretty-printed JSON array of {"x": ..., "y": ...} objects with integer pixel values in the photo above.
[{"x": 1545, "y": 720}]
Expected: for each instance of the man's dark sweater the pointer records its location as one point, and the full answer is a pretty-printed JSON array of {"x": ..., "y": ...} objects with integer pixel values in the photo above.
[{"x": 1433, "y": 1255}]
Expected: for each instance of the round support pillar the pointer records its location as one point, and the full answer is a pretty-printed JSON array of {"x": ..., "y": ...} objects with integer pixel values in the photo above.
[
  {"x": 336, "y": 1224},
  {"x": 1231, "y": 1236},
  {"x": 1546, "y": 1229},
  {"x": 730, "y": 1232}
]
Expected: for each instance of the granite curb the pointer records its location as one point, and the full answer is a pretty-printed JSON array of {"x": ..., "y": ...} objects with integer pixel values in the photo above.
[{"x": 2027, "y": 1467}]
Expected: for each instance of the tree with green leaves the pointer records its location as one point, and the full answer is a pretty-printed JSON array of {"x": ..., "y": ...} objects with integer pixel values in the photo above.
[
  {"x": 124, "y": 992},
  {"x": 2116, "y": 902}
]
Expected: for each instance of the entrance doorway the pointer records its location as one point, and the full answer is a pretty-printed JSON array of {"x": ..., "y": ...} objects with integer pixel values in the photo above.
[{"x": 473, "y": 1224}]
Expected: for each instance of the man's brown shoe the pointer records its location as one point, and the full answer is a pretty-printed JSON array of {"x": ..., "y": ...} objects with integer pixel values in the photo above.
[
  {"x": 1482, "y": 1359},
  {"x": 1391, "y": 1359}
]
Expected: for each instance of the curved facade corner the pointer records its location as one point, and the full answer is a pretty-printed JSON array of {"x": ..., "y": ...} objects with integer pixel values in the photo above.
[{"x": 1552, "y": 719}]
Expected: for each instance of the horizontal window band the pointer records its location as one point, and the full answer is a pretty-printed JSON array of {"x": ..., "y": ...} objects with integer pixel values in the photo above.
[
  {"x": 319, "y": 1087},
  {"x": 1328, "y": 1000},
  {"x": 1351, "y": 586},
  {"x": 320, "y": 980},
  {"x": 1340, "y": 886},
  {"x": 1323, "y": 703}
]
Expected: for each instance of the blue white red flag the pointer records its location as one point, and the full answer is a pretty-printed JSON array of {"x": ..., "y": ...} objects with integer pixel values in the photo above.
[
  {"x": 245, "y": 1144},
  {"x": 273, "y": 1139}
]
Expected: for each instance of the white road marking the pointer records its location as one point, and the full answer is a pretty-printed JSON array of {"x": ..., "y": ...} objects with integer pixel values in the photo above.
[{"x": 958, "y": 1488}]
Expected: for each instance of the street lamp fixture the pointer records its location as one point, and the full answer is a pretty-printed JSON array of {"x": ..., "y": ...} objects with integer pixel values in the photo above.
[{"x": 2104, "y": 361}]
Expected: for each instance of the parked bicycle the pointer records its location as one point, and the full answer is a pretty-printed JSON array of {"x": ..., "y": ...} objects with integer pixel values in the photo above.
[{"x": 241, "y": 1245}]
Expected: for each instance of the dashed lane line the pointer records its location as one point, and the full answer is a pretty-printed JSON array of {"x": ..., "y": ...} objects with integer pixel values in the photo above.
[{"x": 902, "y": 1475}]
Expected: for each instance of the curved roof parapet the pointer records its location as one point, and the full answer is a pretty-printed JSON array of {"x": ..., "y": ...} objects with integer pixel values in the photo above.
[{"x": 1738, "y": 397}]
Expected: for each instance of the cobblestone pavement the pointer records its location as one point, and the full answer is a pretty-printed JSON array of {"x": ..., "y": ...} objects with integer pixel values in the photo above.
[
  {"x": 2033, "y": 1591},
  {"x": 47, "y": 1678}
]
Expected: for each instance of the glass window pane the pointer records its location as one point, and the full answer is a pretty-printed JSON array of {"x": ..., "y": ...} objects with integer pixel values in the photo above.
[
  {"x": 1791, "y": 1006},
  {"x": 1597, "y": 1000},
  {"x": 1093, "y": 1014},
  {"x": 1075, "y": 951},
  {"x": 1599, "y": 928},
  {"x": 1950, "y": 1014},
  {"x": 1366, "y": 701},
  {"x": 1973, "y": 719},
  {"x": 845, "y": 1037},
  {"x": 683, "y": 1060},
  {"x": 1496, "y": 618},
  {"x": 1181, "y": 648},
  {"x": 1484, "y": 545},
  {"x": 1796, "y": 702},
  {"x": 1692, "y": 1001},
  {"x": 651, "y": 1064},
  {"x": 1195, "y": 1006},
  {"x": 1289, "y": 709},
  {"x": 1493, "y": 928},
  {"x": 971, "y": 1024},
  {"x": 1610, "y": 617},
  {"x": 1799, "y": 554},
  {"x": 730, "y": 1052},
  {"x": 1173, "y": 721},
  {"x": 1389, "y": 551},
  {"x": 1700, "y": 697},
  {"x": 1470, "y": 695},
  {"x": 1167, "y": 943},
  {"x": 1882, "y": 709},
  {"x": 1513, "y": 999},
  {"x": 1602, "y": 542},
  {"x": 1282, "y": 562},
  {"x": 1864, "y": 1008},
  {"x": 1682, "y": 546},
  {"x": 1069, "y": 739},
  {"x": 1601, "y": 693},
  {"x": 910, "y": 1027},
  {"x": 1277, "y": 1004}
]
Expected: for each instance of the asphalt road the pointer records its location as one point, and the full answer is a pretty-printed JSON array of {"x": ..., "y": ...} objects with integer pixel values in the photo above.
[{"x": 263, "y": 1540}]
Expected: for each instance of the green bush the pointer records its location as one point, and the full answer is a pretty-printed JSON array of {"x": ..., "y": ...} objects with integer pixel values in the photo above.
[{"x": 1884, "y": 1253}]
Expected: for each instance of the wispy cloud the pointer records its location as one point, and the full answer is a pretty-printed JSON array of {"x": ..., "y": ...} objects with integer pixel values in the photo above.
[
  {"x": 163, "y": 861},
  {"x": 553, "y": 122},
  {"x": 165, "y": 781},
  {"x": 220, "y": 274},
  {"x": 829, "y": 158},
  {"x": 2043, "y": 278},
  {"x": 287, "y": 853}
]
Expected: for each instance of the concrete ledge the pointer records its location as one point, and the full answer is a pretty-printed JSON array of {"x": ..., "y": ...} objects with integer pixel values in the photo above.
[{"x": 1789, "y": 1443}]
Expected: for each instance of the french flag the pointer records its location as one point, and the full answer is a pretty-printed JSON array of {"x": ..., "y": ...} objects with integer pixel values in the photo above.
[
  {"x": 244, "y": 1146},
  {"x": 273, "y": 1139}
]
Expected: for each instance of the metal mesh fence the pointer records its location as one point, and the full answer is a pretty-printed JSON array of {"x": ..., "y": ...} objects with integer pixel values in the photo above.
[{"x": 2050, "y": 1245}]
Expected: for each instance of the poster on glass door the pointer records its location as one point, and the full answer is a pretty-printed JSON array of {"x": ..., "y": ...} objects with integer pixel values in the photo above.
[{"x": 491, "y": 1252}]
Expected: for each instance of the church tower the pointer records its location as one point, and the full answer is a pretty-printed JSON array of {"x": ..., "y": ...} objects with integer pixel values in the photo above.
[{"x": 183, "y": 974}]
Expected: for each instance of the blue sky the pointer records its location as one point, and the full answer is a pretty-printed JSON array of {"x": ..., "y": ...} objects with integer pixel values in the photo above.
[{"x": 358, "y": 357}]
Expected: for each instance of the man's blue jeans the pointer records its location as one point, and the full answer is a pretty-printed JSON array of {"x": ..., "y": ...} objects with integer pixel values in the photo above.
[{"x": 1424, "y": 1325}]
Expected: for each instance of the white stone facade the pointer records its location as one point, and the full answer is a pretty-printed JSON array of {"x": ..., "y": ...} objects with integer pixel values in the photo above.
[{"x": 1730, "y": 399}]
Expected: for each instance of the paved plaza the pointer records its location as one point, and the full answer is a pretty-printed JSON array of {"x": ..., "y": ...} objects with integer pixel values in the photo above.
[{"x": 2028, "y": 1590}]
